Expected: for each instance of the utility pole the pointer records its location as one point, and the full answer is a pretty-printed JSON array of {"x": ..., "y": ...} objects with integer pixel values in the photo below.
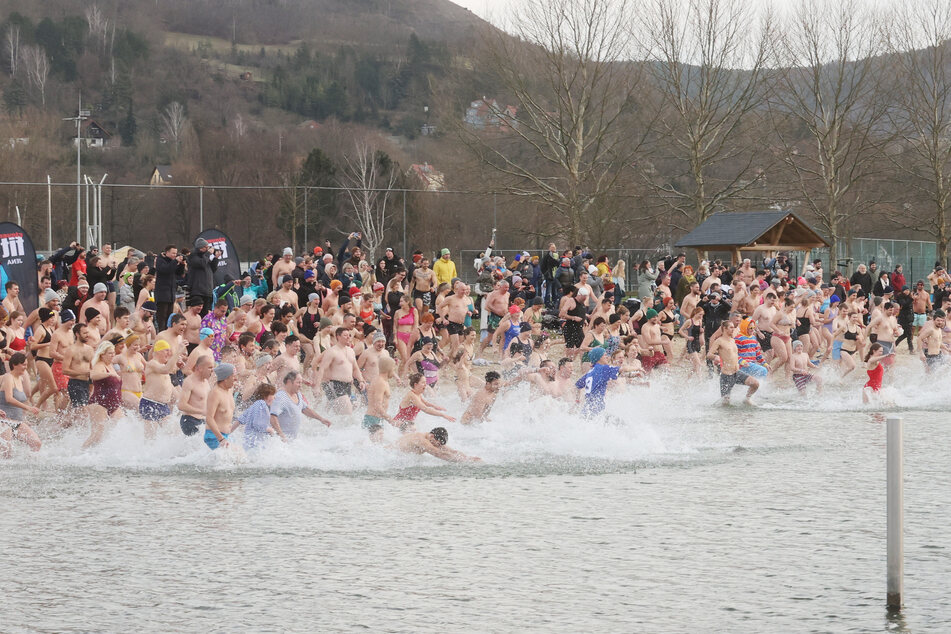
[{"x": 81, "y": 115}]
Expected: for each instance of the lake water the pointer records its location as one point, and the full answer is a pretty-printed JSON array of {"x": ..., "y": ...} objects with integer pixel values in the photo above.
[{"x": 672, "y": 515}]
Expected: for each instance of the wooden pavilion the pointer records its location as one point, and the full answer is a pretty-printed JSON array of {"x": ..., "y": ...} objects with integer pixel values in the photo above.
[{"x": 765, "y": 232}]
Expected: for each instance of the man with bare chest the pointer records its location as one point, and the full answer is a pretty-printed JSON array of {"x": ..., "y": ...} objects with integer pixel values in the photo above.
[
  {"x": 458, "y": 308},
  {"x": 424, "y": 279}
]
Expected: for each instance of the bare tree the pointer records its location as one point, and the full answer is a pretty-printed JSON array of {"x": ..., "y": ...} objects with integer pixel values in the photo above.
[
  {"x": 918, "y": 40},
  {"x": 708, "y": 62},
  {"x": 98, "y": 26},
  {"x": 12, "y": 48},
  {"x": 173, "y": 124},
  {"x": 37, "y": 67},
  {"x": 369, "y": 177},
  {"x": 829, "y": 90},
  {"x": 571, "y": 144}
]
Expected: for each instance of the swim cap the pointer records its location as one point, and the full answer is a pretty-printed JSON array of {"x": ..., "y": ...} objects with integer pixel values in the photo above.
[
  {"x": 325, "y": 321},
  {"x": 336, "y": 284},
  {"x": 160, "y": 345},
  {"x": 595, "y": 354},
  {"x": 797, "y": 344},
  {"x": 835, "y": 298},
  {"x": 524, "y": 327},
  {"x": 513, "y": 309},
  {"x": 313, "y": 296},
  {"x": 204, "y": 333},
  {"x": 223, "y": 371},
  {"x": 650, "y": 314}
]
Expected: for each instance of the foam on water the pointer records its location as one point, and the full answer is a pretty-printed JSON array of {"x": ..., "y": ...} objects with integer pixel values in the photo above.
[{"x": 676, "y": 418}]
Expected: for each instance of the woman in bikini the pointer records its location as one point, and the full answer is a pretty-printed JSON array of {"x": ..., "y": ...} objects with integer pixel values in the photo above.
[
  {"x": 847, "y": 339},
  {"x": 267, "y": 318},
  {"x": 406, "y": 320},
  {"x": 667, "y": 326},
  {"x": 414, "y": 403},
  {"x": 148, "y": 289},
  {"x": 131, "y": 370},
  {"x": 16, "y": 333},
  {"x": 40, "y": 348}
]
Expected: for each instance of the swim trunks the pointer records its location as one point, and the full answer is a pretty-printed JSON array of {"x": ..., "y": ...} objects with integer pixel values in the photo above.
[
  {"x": 887, "y": 346},
  {"x": 494, "y": 321},
  {"x": 454, "y": 328},
  {"x": 920, "y": 320},
  {"x": 336, "y": 389},
  {"x": 801, "y": 381},
  {"x": 933, "y": 359},
  {"x": 765, "y": 341},
  {"x": 59, "y": 378},
  {"x": 372, "y": 423},
  {"x": 426, "y": 297},
  {"x": 152, "y": 410},
  {"x": 650, "y": 363},
  {"x": 78, "y": 392},
  {"x": 729, "y": 381},
  {"x": 212, "y": 441},
  {"x": 190, "y": 424}
]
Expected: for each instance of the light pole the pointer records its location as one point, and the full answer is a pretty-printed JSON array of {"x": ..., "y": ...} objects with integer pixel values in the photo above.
[{"x": 81, "y": 115}]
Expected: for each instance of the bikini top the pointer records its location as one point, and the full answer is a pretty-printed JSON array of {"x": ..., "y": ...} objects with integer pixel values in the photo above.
[{"x": 407, "y": 319}]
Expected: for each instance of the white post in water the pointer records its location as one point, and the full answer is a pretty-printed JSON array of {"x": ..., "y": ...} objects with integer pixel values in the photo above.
[{"x": 895, "y": 503}]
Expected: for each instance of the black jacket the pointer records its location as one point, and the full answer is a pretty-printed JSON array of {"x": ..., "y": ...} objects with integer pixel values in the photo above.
[
  {"x": 200, "y": 273},
  {"x": 167, "y": 271},
  {"x": 865, "y": 280},
  {"x": 549, "y": 264},
  {"x": 95, "y": 275}
]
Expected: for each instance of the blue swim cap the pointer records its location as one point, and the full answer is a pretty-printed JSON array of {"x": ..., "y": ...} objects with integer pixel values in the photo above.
[
  {"x": 595, "y": 354},
  {"x": 834, "y": 298}
]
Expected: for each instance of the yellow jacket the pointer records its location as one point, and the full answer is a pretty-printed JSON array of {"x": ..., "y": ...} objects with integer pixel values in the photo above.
[{"x": 445, "y": 270}]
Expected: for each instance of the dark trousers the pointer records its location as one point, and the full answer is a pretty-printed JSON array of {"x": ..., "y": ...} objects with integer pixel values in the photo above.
[
  {"x": 165, "y": 309},
  {"x": 907, "y": 328}
]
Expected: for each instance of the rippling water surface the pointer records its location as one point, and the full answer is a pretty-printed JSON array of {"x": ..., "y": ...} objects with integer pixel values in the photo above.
[{"x": 670, "y": 515}]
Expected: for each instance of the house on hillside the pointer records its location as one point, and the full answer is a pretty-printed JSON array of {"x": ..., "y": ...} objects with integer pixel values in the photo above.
[
  {"x": 310, "y": 124},
  {"x": 431, "y": 179},
  {"x": 95, "y": 135},
  {"x": 161, "y": 175},
  {"x": 487, "y": 114}
]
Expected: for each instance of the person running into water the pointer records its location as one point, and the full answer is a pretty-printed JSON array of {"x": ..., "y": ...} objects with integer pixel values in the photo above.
[
  {"x": 723, "y": 351},
  {"x": 378, "y": 399},
  {"x": 594, "y": 384},
  {"x": 433, "y": 443},
  {"x": 14, "y": 403},
  {"x": 875, "y": 368},
  {"x": 414, "y": 403},
  {"x": 803, "y": 372},
  {"x": 483, "y": 400}
]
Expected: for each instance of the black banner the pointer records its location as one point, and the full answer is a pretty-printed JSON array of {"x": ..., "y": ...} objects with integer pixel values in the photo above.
[
  {"x": 230, "y": 264},
  {"x": 18, "y": 264}
]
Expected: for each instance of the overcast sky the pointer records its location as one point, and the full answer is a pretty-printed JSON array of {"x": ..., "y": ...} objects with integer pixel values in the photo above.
[{"x": 483, "y": 8}]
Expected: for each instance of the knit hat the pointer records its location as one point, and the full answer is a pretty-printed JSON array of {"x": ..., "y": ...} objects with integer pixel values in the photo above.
[
  {"x": 201, "y": 243},
  {"x": 67, "y": 316},
  {"x": 650, "y": 314},
  {"x": 325, "y": 321},
  {"x": 45, "y": 313},
  {"x": 287, "y": 251},
  {"x": 91, "y": 313},
  {"x": 444, "y": 252},
  {"x": 149, "y": 306},
  {"x": 100, "y": 288},
  {"x": 378, "y": 286},
  {"x": 247, "y": 299},
  {"x": 50, "y": 295},
  {"x": 353, "y": 291}
]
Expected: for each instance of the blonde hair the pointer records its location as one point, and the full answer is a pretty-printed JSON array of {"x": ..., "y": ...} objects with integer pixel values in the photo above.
[{"x": 103, "y": 348}]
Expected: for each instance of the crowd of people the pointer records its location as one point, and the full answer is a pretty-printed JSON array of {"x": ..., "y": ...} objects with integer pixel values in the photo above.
[{"x": 329, "y": 335}]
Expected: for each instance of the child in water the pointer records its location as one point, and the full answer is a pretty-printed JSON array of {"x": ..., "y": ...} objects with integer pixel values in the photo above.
[{"x": 257, "y": 418}]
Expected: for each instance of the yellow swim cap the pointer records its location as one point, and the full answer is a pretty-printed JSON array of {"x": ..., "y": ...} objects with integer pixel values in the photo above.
[{"x": 160, "y": 345}]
